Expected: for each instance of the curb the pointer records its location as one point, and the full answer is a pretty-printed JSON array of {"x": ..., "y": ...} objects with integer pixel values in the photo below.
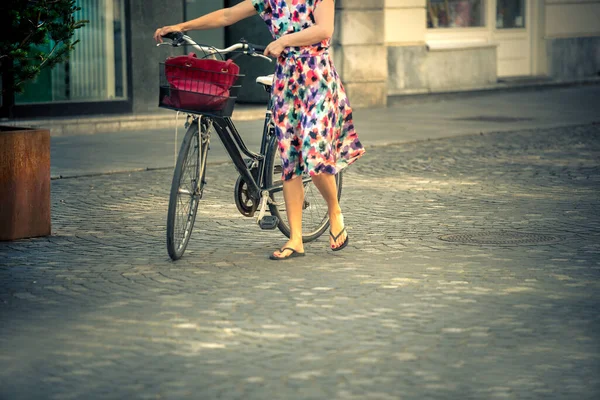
[
  {"x": 424, "y": 95},
  {"x": 82, "y": 126}
]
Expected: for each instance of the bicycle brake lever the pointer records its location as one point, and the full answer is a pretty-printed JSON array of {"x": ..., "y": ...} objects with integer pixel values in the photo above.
[{"x": 262, "y": 56}]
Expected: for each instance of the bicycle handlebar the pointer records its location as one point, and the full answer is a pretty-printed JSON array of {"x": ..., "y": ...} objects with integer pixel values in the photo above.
[
  {"x": 178, "y": 38},
  {"x": 258, "y": 48},
  {"x": 174, "y": 36}
]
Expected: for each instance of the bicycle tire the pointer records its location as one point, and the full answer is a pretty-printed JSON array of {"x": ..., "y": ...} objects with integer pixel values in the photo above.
[
  {"x": 189, "y": 175},
  {"x": 314, "y": 226}
]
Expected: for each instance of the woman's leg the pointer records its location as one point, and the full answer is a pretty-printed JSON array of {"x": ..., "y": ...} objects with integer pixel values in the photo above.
[
  {"x": 293, "y": 194},
  {"x": 328, "y": 188}
]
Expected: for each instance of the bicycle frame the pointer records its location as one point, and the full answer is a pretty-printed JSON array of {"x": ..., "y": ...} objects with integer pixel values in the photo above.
[{"x": 236, "y": 148}]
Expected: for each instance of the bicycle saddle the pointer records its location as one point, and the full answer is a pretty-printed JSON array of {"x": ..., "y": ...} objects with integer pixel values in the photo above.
[{"x": 265, "y": 80}]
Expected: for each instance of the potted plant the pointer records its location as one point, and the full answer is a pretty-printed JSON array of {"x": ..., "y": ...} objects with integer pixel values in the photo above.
[{"x": 37, "y": 34}]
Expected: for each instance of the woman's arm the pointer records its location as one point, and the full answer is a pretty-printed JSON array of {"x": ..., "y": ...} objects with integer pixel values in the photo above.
[
  {"x": 321, "y": 30},
  {"x": 216, "y": 19}
]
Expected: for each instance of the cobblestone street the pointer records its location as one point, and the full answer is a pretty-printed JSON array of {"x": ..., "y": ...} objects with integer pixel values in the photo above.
[{"x": 98, "y": 310}]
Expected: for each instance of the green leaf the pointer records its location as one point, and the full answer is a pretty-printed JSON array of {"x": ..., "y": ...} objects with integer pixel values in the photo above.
[{"x": 32, "y": 24}]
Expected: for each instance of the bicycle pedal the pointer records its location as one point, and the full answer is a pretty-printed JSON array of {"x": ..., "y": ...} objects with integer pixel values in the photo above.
[{"x": 268, "y": 222}]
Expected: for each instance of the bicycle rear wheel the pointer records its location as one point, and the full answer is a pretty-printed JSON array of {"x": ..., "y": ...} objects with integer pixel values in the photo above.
[
  {"x": 186, "y": 189},
  {"x": 315, "y": 217}
]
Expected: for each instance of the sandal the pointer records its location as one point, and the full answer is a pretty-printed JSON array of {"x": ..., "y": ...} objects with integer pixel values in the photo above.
[
  {"x": 292, "y": 255},
  {"x": 335, "y": 238}
]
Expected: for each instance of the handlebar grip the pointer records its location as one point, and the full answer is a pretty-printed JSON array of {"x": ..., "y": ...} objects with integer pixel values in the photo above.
[
  {"x": 174, "y": 36},
  {"x": 258, "y": 48}
]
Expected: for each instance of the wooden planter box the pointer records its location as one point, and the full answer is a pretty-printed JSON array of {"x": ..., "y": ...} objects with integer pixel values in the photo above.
[{"x": 24, "y": 183}]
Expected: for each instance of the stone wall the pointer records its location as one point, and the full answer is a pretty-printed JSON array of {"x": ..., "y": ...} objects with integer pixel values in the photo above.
[
  {"x": 464, "y": 67},
  {"x": 405, "y": 66},
  {"x": 359, "y": 51},
  {"x": 420, "y": 69},
  {"x": 573, "y": 58},
  {"x": 405, "y": 22}
]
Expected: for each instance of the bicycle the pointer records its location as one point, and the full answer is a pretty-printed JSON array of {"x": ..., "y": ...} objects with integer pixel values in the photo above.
[{"x": 259, "y": 186}]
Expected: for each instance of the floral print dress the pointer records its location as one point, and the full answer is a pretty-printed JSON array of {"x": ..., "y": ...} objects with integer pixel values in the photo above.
[{"x": 312, "y": 115}]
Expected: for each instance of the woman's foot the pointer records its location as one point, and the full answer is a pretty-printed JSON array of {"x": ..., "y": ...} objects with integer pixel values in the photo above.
[
  {"x": 288, "y": 249},
  {"x": 338, "y": 230}
]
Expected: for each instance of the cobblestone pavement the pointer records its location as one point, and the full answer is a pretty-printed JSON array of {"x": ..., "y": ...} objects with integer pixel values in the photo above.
[{"x": 97, "y": 310}]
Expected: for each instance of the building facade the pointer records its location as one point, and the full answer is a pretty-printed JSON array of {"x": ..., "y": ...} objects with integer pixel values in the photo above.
[
  {"x": 438, "y": 45},
  {"x": 381, "y": 48}
]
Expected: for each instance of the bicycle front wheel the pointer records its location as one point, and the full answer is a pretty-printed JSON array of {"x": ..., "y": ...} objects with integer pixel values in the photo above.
[
  {"x": 315, "y": 217},
  {"x": 186, "y": 190}
]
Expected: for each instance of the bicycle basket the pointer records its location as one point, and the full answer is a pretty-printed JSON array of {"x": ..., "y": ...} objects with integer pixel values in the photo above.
[{"x": 198, "y": 86}]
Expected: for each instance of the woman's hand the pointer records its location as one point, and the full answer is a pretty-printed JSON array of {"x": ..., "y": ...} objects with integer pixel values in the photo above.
[
  {"x": 160, "y": 32},
  {"x": 275, "y": 48}
]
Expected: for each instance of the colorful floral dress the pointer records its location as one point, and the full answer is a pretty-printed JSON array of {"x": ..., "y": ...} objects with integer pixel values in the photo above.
[{"x": 311, "y": 112}]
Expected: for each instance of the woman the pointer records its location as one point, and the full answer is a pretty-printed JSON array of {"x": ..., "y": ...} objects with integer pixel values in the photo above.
[{"x": 310, "y": 109}]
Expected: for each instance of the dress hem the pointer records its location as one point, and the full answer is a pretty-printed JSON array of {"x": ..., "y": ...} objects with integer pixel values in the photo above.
[{"x": 339, "y": 166}]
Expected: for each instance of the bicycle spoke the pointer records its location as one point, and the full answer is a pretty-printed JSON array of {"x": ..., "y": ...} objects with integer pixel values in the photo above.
[
  {"x": 314, "y": 204},
  {"x": 310, "y": 207}
]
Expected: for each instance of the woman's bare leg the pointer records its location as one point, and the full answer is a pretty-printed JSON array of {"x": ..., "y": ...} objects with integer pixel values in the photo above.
[
  {"x": 328, "y": 188},
  {"x": 293, "y": 194}
]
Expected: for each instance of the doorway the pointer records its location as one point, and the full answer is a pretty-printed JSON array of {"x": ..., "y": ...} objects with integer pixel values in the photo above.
[{"x": 512, "y": 28}]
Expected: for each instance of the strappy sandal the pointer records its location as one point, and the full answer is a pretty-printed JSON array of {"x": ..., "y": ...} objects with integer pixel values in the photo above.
[
  {"x": 293, "y": 254},
  {"x": 335, "y": 238}
]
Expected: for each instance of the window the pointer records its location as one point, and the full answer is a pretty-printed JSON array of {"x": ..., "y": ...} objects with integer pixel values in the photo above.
[
  {"x": 96, "y": 70},
  {"x": 455, "y": 13},
  {"x": 510, "y": 14}
]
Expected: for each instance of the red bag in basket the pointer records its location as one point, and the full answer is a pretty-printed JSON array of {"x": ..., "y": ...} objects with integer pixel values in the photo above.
[{"x": 201, "y": 84}]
